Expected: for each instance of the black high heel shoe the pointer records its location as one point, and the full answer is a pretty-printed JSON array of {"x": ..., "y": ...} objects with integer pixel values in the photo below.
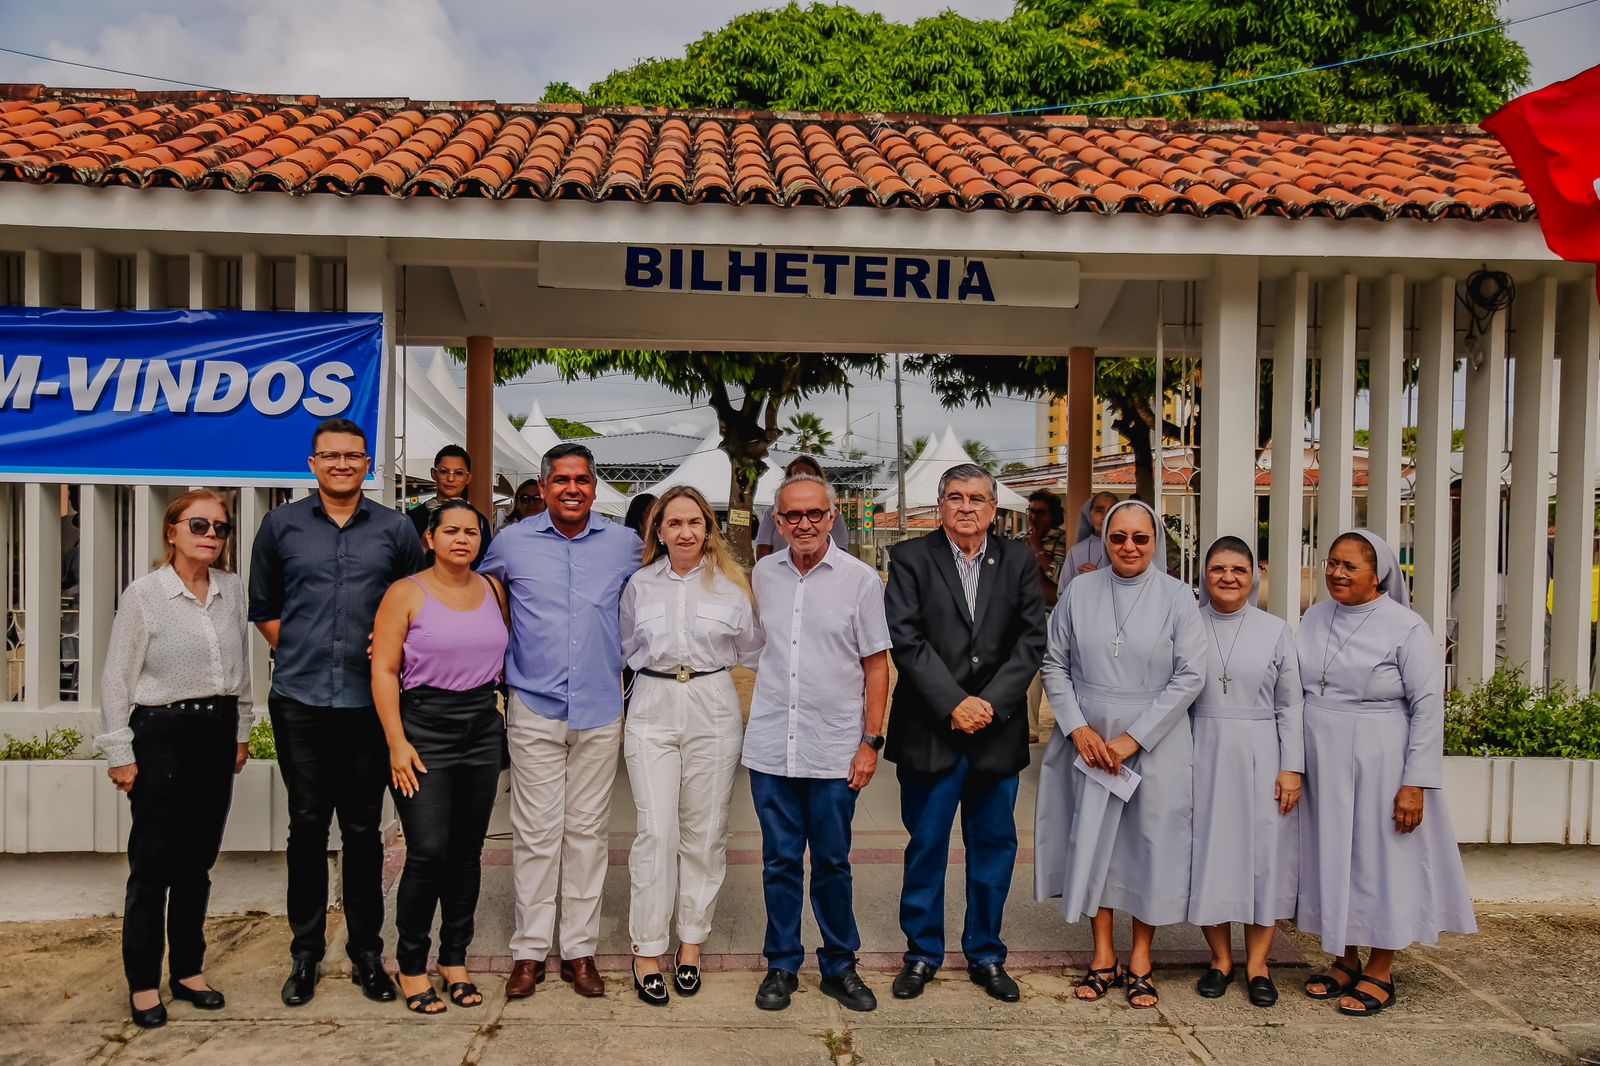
[
  {"x": 203, "y": 998},
  {"x": 651, "y": 990},
  {"x": 154, "y": 1018},
  {"x": 685, "y": 978}
]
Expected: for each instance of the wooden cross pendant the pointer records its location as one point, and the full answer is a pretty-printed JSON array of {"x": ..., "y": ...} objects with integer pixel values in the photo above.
[{"x": 1116, "y": 647}]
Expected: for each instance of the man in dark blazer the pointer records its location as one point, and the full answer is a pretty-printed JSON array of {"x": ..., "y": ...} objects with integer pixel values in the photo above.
[{"x": 967, "y": 622}]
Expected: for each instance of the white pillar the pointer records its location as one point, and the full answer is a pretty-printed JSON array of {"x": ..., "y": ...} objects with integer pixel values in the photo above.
[
  {"x": 41, "y": 602},
  {"x": 1386, "y": 352},
  {"x": 1228, "y": 375},
  {"x": 1288, "y": 446},
  {"x": 1575, "y": 472},
  {"x": 1436, "y": 352},
  {"x": 304, "y": 278},
  {"x": 1527, "y": 546},
  {"x": 254, "y": 295},
  {"x": 97, "y": 525},
  {"x": 202, "y": 281},
  {"x": 370, "y": 281},
  {"x": 1337, "y": 349},
  {"x": 1478, "y": 598}
]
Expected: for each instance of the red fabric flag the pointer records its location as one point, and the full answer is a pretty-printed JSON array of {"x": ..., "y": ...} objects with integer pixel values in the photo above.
[{"x": 1553, "y": 136}]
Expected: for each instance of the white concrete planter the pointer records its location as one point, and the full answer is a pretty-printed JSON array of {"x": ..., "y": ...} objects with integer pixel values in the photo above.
[
  {"x": 1523, "y": 801},
  {"x": 71, "y": 805}
]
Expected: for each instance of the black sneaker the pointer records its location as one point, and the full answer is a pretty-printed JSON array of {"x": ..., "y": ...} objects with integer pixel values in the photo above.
[
  {"x": 850, "y": 991},
  {"x": 775, "y": 990}
]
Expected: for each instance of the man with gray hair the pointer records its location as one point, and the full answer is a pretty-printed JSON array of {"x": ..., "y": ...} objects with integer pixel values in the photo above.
[
  {"x": 966, "y": 616},
  {"x": 564, "y": 571},
  {"x": 816, "y": 727}
]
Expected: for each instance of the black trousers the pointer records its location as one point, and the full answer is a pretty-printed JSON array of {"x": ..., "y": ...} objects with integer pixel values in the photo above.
[
  {"x": 334, "y": 760},
  {"x": 179, "y": 802}
]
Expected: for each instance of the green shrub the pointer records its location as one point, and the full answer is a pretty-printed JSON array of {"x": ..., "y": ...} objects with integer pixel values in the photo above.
[
  {"x": 263, "y": 745},
  {"x": 1507, "y": 716},
  {"x": 55, "y": 744}
]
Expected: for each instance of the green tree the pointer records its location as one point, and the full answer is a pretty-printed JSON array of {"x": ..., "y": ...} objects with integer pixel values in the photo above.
[
  {"x": 567, "y": 429},
  {"x": 913, "y": 448},
  {"x": 981, "y": 454},
  {"x": 809, "y": 435},
  {"x": 1016, "y": 466}
]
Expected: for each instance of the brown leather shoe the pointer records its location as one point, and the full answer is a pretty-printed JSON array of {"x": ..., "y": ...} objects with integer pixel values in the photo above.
[
  {"x": 525, "y": 974},
  {"x": 585, "y": 978}
]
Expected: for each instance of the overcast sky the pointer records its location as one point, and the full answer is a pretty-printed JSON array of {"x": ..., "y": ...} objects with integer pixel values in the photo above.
[{"x": 509, "y": 50}]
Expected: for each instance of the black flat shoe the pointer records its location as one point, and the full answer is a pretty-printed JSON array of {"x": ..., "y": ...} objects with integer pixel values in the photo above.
[
  {"x": 1262, "y": 992},
  {"x": 203, "y": 998},
  {"x": 685, "y": 977},
  {"x": 1370, "y": 1004},
  {"x": 302, "y": 983},
  {"x": 993, "y": 979},
  {"x": 375, "y": 983},
  {"x": 850, "y": 991},
  {"x": 1331, "y": 986},
  {"x": 154, "y": 1018},
  {"x": 1213, "y": 984},
  {"x": 776, "y": 989},
  {"x": 911, "y": 980},
  {"x": 652, "y": 988}
]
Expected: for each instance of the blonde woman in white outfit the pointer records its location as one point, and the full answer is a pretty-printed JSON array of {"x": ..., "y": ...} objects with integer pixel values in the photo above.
[{"x": 687, "y": 616}]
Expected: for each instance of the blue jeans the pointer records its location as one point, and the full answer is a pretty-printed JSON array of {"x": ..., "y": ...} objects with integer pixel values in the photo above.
[
  {"x": 796, "y": 812},
  {"x": 988, "y": 827}
]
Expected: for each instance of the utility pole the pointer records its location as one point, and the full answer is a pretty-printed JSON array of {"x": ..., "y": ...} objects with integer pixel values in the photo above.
[
  {"x": 846, "y": 451},
  {"x": 899, "y": 451}
]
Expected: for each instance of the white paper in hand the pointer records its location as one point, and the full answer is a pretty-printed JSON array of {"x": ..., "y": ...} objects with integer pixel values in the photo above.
[{"x": 1120, "y": 784}]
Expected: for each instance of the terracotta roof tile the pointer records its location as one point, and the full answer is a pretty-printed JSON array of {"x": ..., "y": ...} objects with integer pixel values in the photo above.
[{"x": 307, "y": 145}]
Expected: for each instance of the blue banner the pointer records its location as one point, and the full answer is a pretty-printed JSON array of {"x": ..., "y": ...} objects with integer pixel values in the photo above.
[{"x": 181, "y": 397}]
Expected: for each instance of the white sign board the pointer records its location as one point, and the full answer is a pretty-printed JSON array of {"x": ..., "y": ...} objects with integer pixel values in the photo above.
[{"x": 890, "y": 277}]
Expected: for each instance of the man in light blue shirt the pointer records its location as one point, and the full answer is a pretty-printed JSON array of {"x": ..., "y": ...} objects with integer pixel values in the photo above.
[{"x": 564, "y": 571}]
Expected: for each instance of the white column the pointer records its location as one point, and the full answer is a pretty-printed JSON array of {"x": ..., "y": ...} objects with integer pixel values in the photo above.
[
  {"x": 1478, "y": 598},
  {"x": 304, "y": 279},
  {"x": 1228, "y": 375},
  {"x": 8, "y": 500},
  {"x": 1527, "y": 546},
  {"x": 255, "y": 282},
  {"x": 1579, "y": 436},
  {"x": 149, "y": 281},
  {"x": 1337, "y": 348},
  {"x": 97, "y": 524},
  {"x": 39, "y": 279},
  {"x": 41, "y": 603},
  {"x": 1436, "y": 349},
  {"x": 1386, "y": 352},
  {"x": 370, "y": 281},
  {"x": 252, "y": 508},
  {"x": 202, "y": 281},
  {"x": 1288, "y": 446}
]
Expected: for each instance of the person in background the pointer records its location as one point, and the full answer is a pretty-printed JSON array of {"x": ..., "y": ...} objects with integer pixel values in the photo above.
[
  {"x": 1047, "y": 538},
  {"x": 452, "y": 473},
  {"x": 320, "y": 567},
  {"x": 638, "y": 510},
  {"x": 769, "y": 537},
  {"x": 175, "y": 713},
  {"x": 527, "y": 502},
  {"x": 1088, "y": 552},
  {"x": 438, "y": 650}
]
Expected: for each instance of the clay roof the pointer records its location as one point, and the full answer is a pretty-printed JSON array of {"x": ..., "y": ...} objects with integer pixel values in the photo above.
[{"x": 401, "y": 148}]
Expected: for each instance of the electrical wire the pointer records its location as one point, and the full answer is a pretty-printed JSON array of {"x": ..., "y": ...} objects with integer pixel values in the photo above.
[{"x": 113, "y": 70}]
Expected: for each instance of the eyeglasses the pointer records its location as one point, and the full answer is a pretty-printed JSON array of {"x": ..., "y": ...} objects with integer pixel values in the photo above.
[
  {"x": 528, "y": 498},
  {"x": 201, "y": 526},
  {"x": 1119, "y": 538},
  {"x": 439, "y": 475},
  {"x": 794, "y": 518},
  {"x": 1339, "y": 566},
  {"x": 955, "y": 499},
  {"x": 334, "y": 457},
  {"x": 1224, "y": 571}
]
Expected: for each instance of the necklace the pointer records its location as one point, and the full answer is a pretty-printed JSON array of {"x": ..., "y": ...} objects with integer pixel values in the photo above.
[
  {"x": 1327, "y": 660},
  {"x": 1118, "y": 642},
  {"x": 1211, "y": 625}
]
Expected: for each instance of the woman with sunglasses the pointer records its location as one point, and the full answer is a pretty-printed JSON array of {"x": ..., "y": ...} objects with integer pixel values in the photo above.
[
  {"x": 686, "y": 618},
  {"x": 525, "y": 504},
  {"x": 438, "y": 651},
  {"x": 1249, "y": 755},
  {"x": 1126, "y": 658},
  {"x": 175, "y": 709},
  {"x": 1379, "y": 864}
]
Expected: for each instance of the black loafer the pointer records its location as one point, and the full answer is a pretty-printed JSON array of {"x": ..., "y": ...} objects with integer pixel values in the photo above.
[
  {"x": 1213, "y": 984},
  {"x": 154, "y": 1018},
  {"x": 850, "y": 991},
  {"x": 911, "y": 980},
  {"x": 375, "y": 982},
  {"x": 993, "y": 979},
  {"x": 685, "y": 977},
  {"x": 302, "y": 983},
  {"x": 652, "y": 988},
  {"x": 203, "y": 998},
  {"x": 1262, "y": 992},
  {"x": 776, "y": 989}
]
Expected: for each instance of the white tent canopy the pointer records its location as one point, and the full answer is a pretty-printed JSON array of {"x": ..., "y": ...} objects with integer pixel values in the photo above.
[
  {"x": 536, "y": 431},
  {"x": 922, "y": 476},
  {"x": 708, "y": 470}
]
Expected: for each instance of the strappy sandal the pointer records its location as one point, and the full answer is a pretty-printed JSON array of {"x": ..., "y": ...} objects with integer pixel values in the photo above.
[
  {"x": 1370, "y": 1004},
  {"x": 422, "y": 1002},
  {"x": 1333, "y": 988},
  {"x": 1095, "y": 981},
  {"x": 1142, "y": 986},
  {"x": 461, "y": 990}
]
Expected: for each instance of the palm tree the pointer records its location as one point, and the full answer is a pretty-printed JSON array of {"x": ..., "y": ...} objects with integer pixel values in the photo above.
[
  {"x": 809, "y": 435},
  {"x": 913, "y": 448},
  {"x": 981, "y": 454}
]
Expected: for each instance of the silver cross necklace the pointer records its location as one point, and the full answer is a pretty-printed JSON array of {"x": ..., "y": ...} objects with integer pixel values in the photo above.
[
  {"x": 1118, "y": 642},
  {"x": 1211, "y": 625},
  {"x": 1327, "y": 660}
]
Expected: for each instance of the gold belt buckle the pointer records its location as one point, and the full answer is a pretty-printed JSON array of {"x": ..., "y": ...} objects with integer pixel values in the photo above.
[{"x": 684, "y": 673}]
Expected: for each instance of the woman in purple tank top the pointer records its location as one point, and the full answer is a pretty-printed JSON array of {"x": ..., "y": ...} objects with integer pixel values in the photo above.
[{"x": 438, "y": 652}]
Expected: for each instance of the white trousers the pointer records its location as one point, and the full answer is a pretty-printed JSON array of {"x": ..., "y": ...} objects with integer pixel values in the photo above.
[
  {"x": 560, "y": 814},
  {"x": 682, "y": 745}
]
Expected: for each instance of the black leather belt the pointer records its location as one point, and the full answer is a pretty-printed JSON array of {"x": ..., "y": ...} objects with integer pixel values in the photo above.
[
  {"x": 205, "y": 705},
  {"x": 682, "y": 675}
]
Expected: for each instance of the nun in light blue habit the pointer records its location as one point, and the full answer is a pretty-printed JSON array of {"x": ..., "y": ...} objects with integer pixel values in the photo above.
[
  {"x": 1379, "y": 864},
  {"x": 1088, "y": 551},
  {"x": 1249, "y": 755},
  {"x": 1126, "y": 658}
]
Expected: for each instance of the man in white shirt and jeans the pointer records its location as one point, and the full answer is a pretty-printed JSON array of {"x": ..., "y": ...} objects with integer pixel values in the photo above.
[{"x": 815, "y": 730}]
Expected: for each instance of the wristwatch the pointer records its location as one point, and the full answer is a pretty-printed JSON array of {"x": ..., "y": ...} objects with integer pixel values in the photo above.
[{"x": 875, "y": 743}]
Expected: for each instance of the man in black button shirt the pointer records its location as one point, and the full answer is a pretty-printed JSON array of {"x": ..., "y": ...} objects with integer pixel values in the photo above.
[{"x": 320, "y": 567}]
